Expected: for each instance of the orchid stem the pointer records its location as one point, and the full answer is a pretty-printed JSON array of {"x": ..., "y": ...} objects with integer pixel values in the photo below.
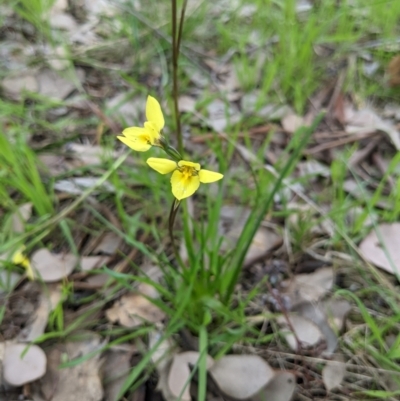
[
  {"x": 183, "y": 10},
  {"x": 172, "y": 214},
  {"x": 176, "y": 41}
]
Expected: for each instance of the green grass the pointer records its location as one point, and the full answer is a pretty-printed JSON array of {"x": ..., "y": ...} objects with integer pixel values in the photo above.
[{"x": 281, "y": 56}]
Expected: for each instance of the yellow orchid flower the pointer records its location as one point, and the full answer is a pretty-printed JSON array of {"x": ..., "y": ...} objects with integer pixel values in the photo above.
[
  {"x": 19, "y": 258},
  {"x": 142, "y": 139},
  {"x": 186, "y": 177}
]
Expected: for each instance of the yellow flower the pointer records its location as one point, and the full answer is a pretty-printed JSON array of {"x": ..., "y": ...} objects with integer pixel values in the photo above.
[
  {"x": 186, "y": 177},
  {"x": 141, "y": 139},
  {"x": 19, "y": 258}
]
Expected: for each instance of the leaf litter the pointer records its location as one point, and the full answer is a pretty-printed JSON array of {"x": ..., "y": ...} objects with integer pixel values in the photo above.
[
  {"x": 381, "y": 247},
  {"x": 333, "y": 374},
  {"x": 51, "y": 267},
  {"x": 241, "y": 376},
  {"x": 49, "y": 298},
  {"x": 116, "y": 365},
  {"x": 133, "y": 310},
  {"x": 23, "y": 363},
  {"x": 280, "y": 388},
  {"x": 82, "y": 381},
  {"x": 179, "y": 373}
]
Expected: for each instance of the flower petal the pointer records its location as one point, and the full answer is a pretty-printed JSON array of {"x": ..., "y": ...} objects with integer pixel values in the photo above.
[
  {"x": 152, "y": 131},
  {"x": 154, "y": 113},
  {"x": 134, "y": 132},
  {"x": 183, "y": 186},
  {"x": 207, "y": 176},
  {"x": 138, "y": 143},
  {"x": 189, "y": 164},
  {"x": 162, "y": 166}
]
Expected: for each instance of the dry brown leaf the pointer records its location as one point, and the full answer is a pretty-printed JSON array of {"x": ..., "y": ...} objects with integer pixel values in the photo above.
[
  {"x": 133, "y": 310},
  {"x": 313, "y": 168},
  {"x": 333, "y": 374},
  {"x": 148, "y": 290},
  {"x": 77, "y": 185},
  {"x": 306, "y": 331},
  {"x": 109, "y": 243},
  {"x": 263, "y": 242},
  {"x": 241, "y": 376},
  {"x": 19, "y": 370},
  {"x": 89, "y": 154},
  {"x": 53, "y": 85},
  {"x": 52, "y": 267},
  {"x": 280, "y": 388},
  {"x": 336, "y": 311},
  {"x": 308, "y": 287},
  {"x": 367, "y": 120},
  {"x": 233, "y": 220},
  {"x": 59, "y": 6},
  {"x": 93, "y": 262},
  {"x": 49, "y": 298},
  {"x": 116, "y": 368},
  {"x": 316, "y": 313},
  {"x": 63, "y": 21},
  {"x": 179, "y": 373},
  {"x": 374, "y": 250},
  {"x": 98, "y": 280},
  {"x": 161, "y": 356},
  {"x": 162, "y": 384},
  {"x": 80, "y": 382},
  {"x": 20, "y": 217},
  {"x": 16, "y": 85},
  {"x": 292, "y": 122}
]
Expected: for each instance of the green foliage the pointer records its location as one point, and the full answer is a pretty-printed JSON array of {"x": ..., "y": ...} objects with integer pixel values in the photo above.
[
  {"x": 37, "y": 12},
  {"x": 19, "y": 172}
]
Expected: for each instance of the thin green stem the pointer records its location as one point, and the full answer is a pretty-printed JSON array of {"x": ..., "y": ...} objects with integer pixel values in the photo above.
[
  {"x": 170, "y": 150},
  {"x": 176, "y": 33},
  {"x": 183, "y": 10},
  {"x": 171, "y": 221}
]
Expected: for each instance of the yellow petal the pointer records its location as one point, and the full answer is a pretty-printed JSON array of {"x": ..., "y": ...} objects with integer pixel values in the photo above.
[
  {"x": 138, "y": 143},
  {"x": 134, "y": 132},
  {"x": 151, "y": 131},
  {"x": 207, "y": 176},
  {"x": 20, "y": 259},
  {"x": 183, "y": 186},
  {"x": 189, "y": 164},
  {"x": 162, "y": 166},
  {"x": 154, "y": 113}
]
